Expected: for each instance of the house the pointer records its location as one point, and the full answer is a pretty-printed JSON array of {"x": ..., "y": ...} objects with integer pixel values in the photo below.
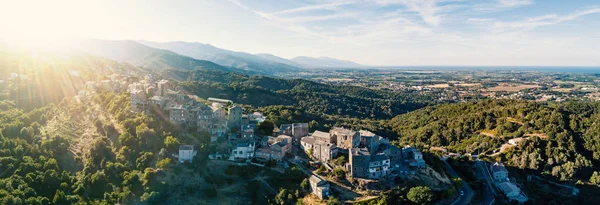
[
  {"x": 299, "y": 130},
  {"x": 364, "y": 165},
  {"x": 515, "y": 141},
  {"x": 358, "y": 162},
  {"x": 139, "y": 101},
  {"x": 220, "y": 101},
  {"x": 186, "y": 153},
  {"x": 263, "y": 153},
  {"x": 275, "y": 148},
  {"x": 320, "y": 150},
  {"x": 288, "y": 141},
  {"x": 159, "y": 101},
  {"x": 379, "y": 166},
  {"x": 218, "y": 123},
  {"x": 278, "y": 150},
  {"x": 234, "y": 115},
  {"x": 394, "y": 153},
  {"x": 162, "y": 85},
  {"x": 247, "y": 133},
  {"x": 323, "y": 137},
  {"x": 510, "y": 189},
  {"x": 413, "y": 157},
  {"x": 256, "y": 117},
  {"x": 499, "y": 172},
  {"x": 242, "y": 151},
  {"x": 319, "y": 187},
  {"x": 177, "y": 114},
  {"x": 285, "y": 129},
  {"x": 280, "y": 146},
  {"x": 177, "y": 96},
  {"x": 345, "y": 139},
  {"x": 307, "y": 143},
  {"x": 369, "y": 140}
]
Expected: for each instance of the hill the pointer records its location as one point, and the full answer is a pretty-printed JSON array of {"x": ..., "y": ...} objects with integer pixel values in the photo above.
[
  {"x": 566, "y": 153},
  {"x": 325, "y": 62},
  {"x": 145, "y": 56},
  {"x": 278, "y": 59},
  {"x": 240, "y": 60}
]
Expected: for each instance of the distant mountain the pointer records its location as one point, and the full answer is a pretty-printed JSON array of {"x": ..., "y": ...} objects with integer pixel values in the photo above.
[
  {"x": 240, "y": 60},
  {"x": 141, "y": 55},
  {"x": 278, "y": 59},
  {"x": 325, "y": 62}
]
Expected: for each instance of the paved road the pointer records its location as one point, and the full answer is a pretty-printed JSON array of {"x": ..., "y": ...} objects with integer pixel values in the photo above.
[
  {"x": 489, "y": 192},
  {"x": 468, "y": 192}
]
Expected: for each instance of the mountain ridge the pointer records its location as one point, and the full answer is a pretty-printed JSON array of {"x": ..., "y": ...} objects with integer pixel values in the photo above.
[{"x": 325, "y": 62}]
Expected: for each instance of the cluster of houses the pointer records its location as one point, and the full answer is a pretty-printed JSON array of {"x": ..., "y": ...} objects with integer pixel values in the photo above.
[
  {"x": 370, "y": 156},
  {"x": 265, "y": 148},
  {"x": 502, "y": 182},
  {"x": 182, "y": 109}
]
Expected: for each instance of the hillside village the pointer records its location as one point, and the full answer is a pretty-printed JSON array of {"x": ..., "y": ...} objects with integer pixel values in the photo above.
[
  {"x": 363, "y": 157},
  {"x": 233, "y": 135}
]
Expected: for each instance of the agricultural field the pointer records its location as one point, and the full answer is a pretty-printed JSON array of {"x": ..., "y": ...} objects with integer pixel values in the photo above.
[{"x": 507, "y": 87}]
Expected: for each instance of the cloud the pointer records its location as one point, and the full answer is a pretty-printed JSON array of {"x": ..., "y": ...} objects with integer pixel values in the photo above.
[
  {"x": 417, "y": 25},
  {"x": 305, "y": 19},
  {"x": 427, "y": 9},
  {"x": 532, "y": 23},
  {"x": 514, "y": 3},
  {"x": 313, "y": 7}
]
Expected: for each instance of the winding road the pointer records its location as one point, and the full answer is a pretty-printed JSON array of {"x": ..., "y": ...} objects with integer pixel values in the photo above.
[
  {"x": 468, "y": 192},
  {"x": 489, "y": 192}
]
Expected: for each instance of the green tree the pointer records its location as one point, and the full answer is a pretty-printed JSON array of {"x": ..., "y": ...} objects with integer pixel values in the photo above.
[
  {"x": 305, "y": 185},
  {"x": 420, "y": 195},
  {"x": 51, "y": 164},
  {"x": 333, "y": 201},
  {"x": 340, "y": 161},
  {"x": 266, "y": 127},
  {"x": 282, "y": 197},
  {"x": 171, "y": 143},
  {"x": 339, "y": 173},
  {"x": 145, "y": 160},
  {"x": 60, "y": 198},
  {"x": 595, "y": 178},
  {"x": 164, "y": 163}
]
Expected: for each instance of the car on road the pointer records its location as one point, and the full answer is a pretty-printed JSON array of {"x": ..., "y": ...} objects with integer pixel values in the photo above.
[{"x": 462, "y": 193}]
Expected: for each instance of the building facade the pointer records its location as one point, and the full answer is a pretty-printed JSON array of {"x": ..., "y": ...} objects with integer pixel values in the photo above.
[
  {"x": 319, "y": 187},
  {"x": 186, "y": 153}
]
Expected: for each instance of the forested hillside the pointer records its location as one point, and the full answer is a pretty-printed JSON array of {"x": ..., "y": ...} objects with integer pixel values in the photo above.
[
  {"x": 560, "y": 139},
  {"x": 316, "y": 98}
]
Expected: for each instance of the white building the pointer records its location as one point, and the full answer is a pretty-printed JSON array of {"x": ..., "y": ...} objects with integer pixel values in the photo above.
[
  {"x": 515, "y": 141},
  {"x": 509, "y": 189},
  {"x": 186, "y": 153},
  {"x": 319, "y": 187},
  {"x": 499, "y": 171},
  {"x": 243, "y": 150}
]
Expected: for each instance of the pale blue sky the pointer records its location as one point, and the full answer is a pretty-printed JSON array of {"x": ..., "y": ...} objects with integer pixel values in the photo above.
[{"x": 373, "y": 32}]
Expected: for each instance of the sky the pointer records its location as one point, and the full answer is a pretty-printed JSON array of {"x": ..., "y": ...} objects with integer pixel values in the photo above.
[{"x": 370, "y": 32}]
